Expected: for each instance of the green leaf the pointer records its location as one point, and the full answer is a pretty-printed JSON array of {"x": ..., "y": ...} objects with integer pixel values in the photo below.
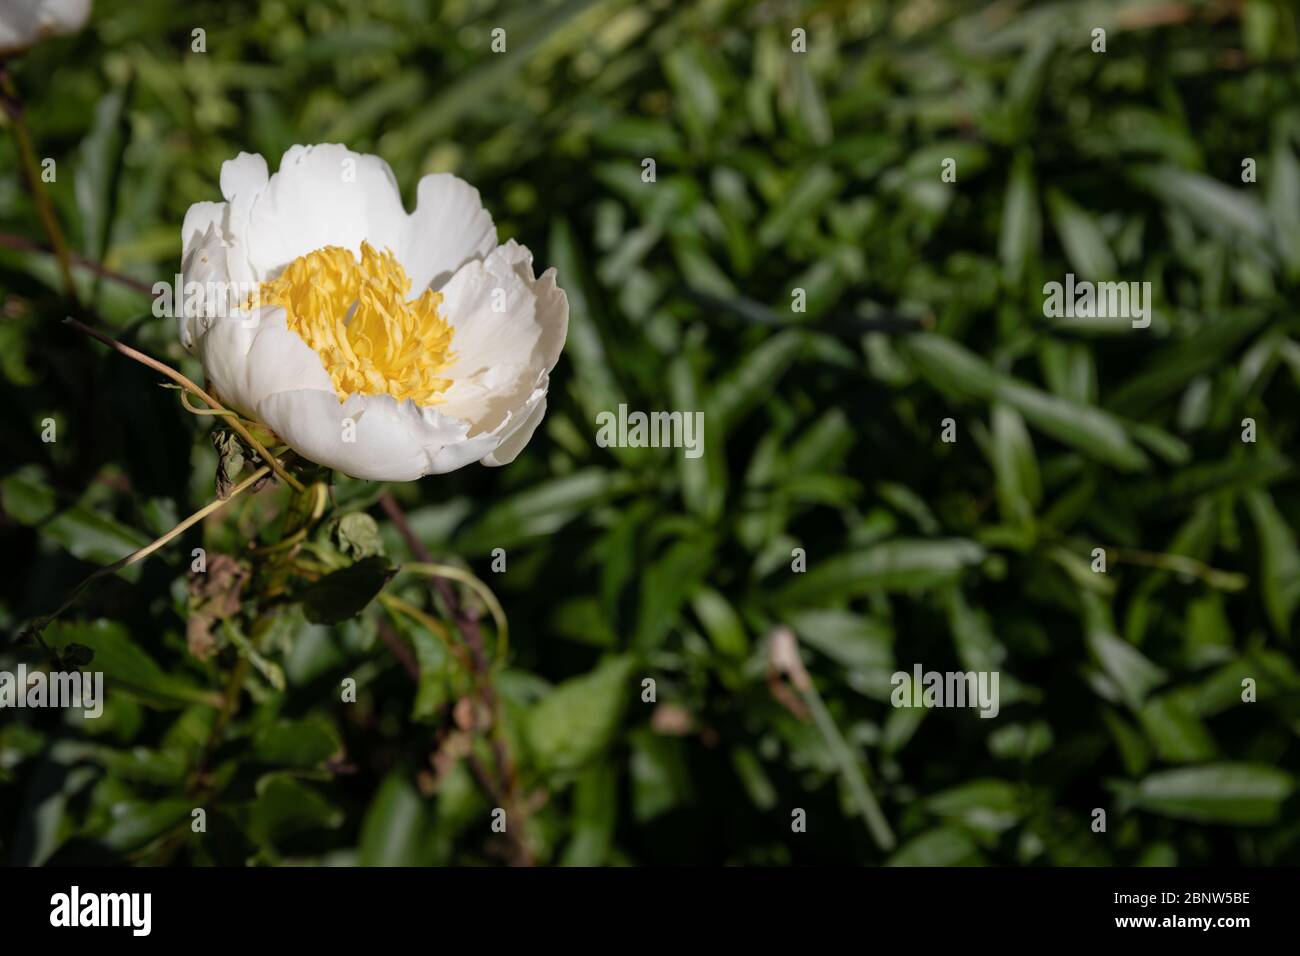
[
  {"x": 1229, "y": 793},
  {"x": 898, "y": 565},
  {"x": 1092, "y": 431},
  {"x": 345, "y": 593},
  {"x": 813, "y": 188},
  {"x": 1084, "y": 243},
  {"x": 158, "y": 767},
  {"x": 542, "y": 509},
  {"x": 1015, "y": 466},
  {"x": 1173, "y": 367},
  {"x": 475, "y": 88},
  {"x": 437, "y": 668},
  {"x": 688, "y": 69},
  {"x": 357, "y": 535},
  {"x": 989, "y": 805},
  {"x": 125, "y": 665},
  {"x": 752, "y": 377},
  {"x": 953, "y": 369},
  {"x": 754, "y": 778},
  {"x": 809, "y": 104},
  {"x": 394, "y": 825},
  {"x": 856, "y": 642},
  {"x": 1221, "y": 210},
  {"x": 286, "y": 807},
  {"x": 667, "y": 584},
  {"x": 84, "y": 532},
  {"x": 595, "y": 814},
  {"x": 1133, "y": 749},
  {"x": 97, "y": 170},
  {"x": 576, "y": 721},
  {"x": 942, "y": 846},
  {"x": 661, "y": 778},
  {"x": 1124, "y": 664},
  {"x": 1279, "y": 560},
  {"x": 973, "y": 639},
  {"x": 595, "y": 384},
  {"x": 1021, "y": 742},
  {"x": 136, "y": 822},
  {"x": 702, "y": 467},
  {"x": 1178, "y": 734},
  {"x": 307, "y": 742},
  {"x": 1021, "y": 234},
  {"x": 1284, "y": 200},
  {"x": 721, "y": 623}
]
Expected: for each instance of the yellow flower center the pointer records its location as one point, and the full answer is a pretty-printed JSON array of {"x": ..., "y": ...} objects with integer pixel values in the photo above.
[{"x": 356, "y": 316}]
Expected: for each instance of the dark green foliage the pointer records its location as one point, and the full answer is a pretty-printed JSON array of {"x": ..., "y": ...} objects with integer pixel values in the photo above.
[{"x": 775, "y": 171}]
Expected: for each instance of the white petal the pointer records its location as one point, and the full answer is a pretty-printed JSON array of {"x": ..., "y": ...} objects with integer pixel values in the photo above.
[
  {"x": 280, "y": 361},
  {"x": 204, "y": 262},
  {"x": 251, "y": 355},
  {"x": 448, "y": 228},
  {"x": 223, "y": 348},
  {"x": 514, "y": 441},
  {"x": 392, "y": 441},
  {"x": 197, "y": 220},
  {"x": 242, "y": 181},
  {"x": 18, "y": 25},
  {"x": 501, "y": 356},
  {"x": 63, "y": 16},
  {"x": 321, "y": 196},
  {"x": 24, "y": 22},
  {"x": 243, "y": 177}
]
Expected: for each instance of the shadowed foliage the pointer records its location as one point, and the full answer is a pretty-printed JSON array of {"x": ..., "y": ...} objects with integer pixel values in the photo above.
[{"x": 781, "y": 178}]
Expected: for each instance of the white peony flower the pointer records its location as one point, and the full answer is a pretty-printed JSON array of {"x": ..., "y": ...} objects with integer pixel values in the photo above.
[
  {"x": 385, "y": 344},
  {"x": 24, "y": 22}
]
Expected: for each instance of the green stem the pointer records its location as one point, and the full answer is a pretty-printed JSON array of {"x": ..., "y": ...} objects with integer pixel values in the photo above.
[
  {"x": 1181, "y": 564},
  {"x": 434, "y": 626},
  {"x": 482, "y": 590},
  {"x": 849, "y": 766}
]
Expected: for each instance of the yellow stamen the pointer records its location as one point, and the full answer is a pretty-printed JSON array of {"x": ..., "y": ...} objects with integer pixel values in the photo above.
[{"x": 356, "y": 316}]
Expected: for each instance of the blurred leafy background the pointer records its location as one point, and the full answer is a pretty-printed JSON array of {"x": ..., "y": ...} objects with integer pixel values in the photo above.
[{"x": 775, "y": 170}]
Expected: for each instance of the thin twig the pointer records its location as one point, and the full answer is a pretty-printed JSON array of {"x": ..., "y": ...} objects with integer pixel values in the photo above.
[
  {"x": 398, "y": 517},
  {"x": 783, "y": 656},
  {"x": 185, "y": 383},
  {"x": 399, "y": 648},
  {"x": 229, "y": 707},
  {"x": 10, "y": 241},
  {"x": 198, "y": 787},
  {"x": 139, "y": 555},
  {"x": 395, "y": 603},
  {"x": 27, "y": 157},
  {"x": 454, "y": 573},
  {"x": 1181, "y": 564},
  {"x": 468, "y": 626}
]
